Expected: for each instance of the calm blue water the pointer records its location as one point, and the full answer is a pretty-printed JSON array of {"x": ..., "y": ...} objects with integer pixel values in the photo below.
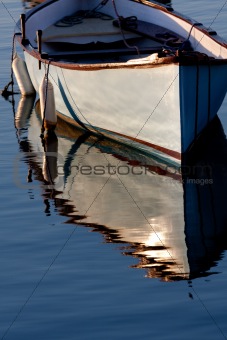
[{"x": 121, "y": 271}]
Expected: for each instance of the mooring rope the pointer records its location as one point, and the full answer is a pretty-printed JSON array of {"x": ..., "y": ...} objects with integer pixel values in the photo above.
[
  {"x": 120, "y": 18},
  {"x": 5, "y": 92}
]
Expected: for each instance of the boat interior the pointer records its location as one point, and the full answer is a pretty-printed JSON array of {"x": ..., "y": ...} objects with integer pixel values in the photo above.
[
  {"x": 91, "y": 31},
  {"x": 89, "y": 35}
]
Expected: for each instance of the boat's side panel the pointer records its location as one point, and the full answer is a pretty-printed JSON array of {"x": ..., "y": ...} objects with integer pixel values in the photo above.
[
  {"x": 126, "y": 101},
  {"x": 202, "y": 91},
  {"x": 129, "y": 102}
]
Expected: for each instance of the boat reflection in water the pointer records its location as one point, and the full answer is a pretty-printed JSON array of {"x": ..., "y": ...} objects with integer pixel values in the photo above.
[{"x": 171, "y": 220}]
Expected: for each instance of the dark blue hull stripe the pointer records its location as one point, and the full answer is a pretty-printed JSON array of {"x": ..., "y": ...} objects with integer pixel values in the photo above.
[{"x": 69, "y": 107}]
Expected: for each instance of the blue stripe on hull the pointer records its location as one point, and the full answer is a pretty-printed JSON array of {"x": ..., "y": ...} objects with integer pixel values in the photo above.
[{"x": 69, "y": 107}]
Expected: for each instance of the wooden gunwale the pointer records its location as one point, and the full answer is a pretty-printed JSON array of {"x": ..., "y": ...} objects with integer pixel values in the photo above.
[
  {"x": 181, "y": 60},
  {"x": 98, "y": 66}
]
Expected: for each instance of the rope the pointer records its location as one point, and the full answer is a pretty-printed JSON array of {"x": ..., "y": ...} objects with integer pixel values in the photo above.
[
  {"x": 5, "y": 92},
  {"x": 186, "y": 45},
  {"x": 120, "y": 19},
  {"x": 12, "y": 57},
  {"x": 79, "y": 16}
]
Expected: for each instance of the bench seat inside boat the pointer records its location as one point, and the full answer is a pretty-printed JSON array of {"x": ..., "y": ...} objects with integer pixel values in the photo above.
[
  {"x": 90, "y": 30},
  {"x": 95, "y": 37}
]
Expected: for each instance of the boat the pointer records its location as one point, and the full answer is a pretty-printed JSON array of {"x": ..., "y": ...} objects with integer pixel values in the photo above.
[
  {"x": 172, "y": 224},
  {"x": 136, "y": 71}
]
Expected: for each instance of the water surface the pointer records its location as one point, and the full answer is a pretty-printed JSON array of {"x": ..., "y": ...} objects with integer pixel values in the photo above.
[{"x": 88, "y": 254}]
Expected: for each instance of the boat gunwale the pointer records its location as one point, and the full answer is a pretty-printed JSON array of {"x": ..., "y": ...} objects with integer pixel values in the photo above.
[
  {"x": 186, "y": 59},
  {"x": 39, "y": 7},
  {"x": 83, "y": 66}
]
